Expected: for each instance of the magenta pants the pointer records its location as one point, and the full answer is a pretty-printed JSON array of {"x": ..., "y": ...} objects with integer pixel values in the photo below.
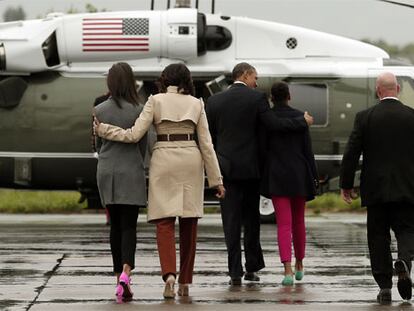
[{"x": 290, "y": 218}]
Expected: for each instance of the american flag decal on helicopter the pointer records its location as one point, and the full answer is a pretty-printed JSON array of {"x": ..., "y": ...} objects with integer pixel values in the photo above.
[{"x": 115, "y": 34}]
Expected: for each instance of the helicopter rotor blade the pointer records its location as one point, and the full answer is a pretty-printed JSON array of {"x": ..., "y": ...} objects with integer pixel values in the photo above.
[{"x": 399, "y": 3}]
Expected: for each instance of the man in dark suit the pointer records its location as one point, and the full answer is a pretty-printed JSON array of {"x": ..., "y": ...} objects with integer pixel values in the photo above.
[
  {"x": 234, "y": 117},
  {"x": 384, "y": 135}
]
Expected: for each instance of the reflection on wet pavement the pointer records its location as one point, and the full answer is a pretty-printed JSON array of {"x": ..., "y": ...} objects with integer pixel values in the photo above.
[{"x": 65, "y": 263}]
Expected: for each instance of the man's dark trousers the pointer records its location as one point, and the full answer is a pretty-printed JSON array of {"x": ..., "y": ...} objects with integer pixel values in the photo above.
[
  {"x": 240, "y": 208},
  {"x": 380, "y": 219}
]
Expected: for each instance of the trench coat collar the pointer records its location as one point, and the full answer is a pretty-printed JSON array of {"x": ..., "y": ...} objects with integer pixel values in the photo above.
[{"x": 172, "y": 89}]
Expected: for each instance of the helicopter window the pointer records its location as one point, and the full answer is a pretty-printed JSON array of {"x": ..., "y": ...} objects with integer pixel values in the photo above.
[
  {"x": 50, "y": 51},
  {"x": 183, "y": 30},
  {"x": 217, "y": 85},
  {"x": 312, "y": 98},
  {"x": 406, "y": 94},
  {"x": 2, "y": 57},
  {"x": 217, "y": 38}
]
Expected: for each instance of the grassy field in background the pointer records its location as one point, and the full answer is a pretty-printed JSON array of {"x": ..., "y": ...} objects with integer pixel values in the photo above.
[
  {"x": 27, "y": 201},
  {"x": 332, "y": 202}
]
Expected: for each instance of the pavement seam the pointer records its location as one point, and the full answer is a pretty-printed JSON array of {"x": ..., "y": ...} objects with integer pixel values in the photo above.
[{"x": 48, "y": 275}]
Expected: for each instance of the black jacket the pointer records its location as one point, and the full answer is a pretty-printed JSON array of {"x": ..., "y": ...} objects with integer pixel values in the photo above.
[
  {"x": 290, "y": 168},
  {"x": 234, "y": 117},
  {"x": 383, "y": 134}
]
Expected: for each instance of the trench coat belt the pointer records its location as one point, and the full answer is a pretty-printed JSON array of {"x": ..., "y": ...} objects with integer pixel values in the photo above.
[{"x": 175, "y": 137}]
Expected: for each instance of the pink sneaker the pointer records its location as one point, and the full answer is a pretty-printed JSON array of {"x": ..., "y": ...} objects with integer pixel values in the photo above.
[
  {"x": 118, "y": 293},
  {"x": 124, "y": 283},
  {"x": 119, "y": 290}
]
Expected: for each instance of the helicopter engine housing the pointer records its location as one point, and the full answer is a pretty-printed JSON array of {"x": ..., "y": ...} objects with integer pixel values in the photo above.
[{"x": 39, "y": 45}]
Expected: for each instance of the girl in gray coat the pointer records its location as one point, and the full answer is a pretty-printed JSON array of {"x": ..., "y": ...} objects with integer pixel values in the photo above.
[{"x": 121, "y": 175}]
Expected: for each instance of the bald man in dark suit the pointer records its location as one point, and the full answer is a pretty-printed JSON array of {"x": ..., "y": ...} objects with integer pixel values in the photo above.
[{"x": 383, "y": 134}]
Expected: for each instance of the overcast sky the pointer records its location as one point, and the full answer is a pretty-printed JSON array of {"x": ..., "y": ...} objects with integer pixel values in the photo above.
[{"x": 356, "y": 19}]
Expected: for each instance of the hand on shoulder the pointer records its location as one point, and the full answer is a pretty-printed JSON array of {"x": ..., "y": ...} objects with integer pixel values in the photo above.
[{"x": 308, "y": 118}]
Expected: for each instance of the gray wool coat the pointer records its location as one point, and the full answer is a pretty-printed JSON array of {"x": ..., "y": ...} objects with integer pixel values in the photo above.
[{"x": 120, "y": 172}]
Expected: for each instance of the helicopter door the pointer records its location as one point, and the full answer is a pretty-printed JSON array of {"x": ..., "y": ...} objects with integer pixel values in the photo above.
[{"x": 217, "y": 85}]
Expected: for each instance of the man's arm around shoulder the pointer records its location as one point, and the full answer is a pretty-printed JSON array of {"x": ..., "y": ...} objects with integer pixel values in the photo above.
[{"x": 273, "y": 123}]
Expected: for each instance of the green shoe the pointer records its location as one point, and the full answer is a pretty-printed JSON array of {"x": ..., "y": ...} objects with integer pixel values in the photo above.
[
  {"x": 299, "y": 275},
  {"x": 287, "y": 280}
]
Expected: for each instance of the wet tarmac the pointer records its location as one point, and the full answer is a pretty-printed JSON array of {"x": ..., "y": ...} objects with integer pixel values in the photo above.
[{"x": 63, "y": 262}]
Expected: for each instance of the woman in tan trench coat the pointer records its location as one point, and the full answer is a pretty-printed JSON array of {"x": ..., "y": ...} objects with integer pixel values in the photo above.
[{"x": 176, "y": 175}]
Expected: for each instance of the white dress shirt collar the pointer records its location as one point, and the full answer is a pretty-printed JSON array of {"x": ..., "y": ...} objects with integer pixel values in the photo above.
[
  {"x": 240, "y": 82},
  {"x": 390, "y": 97}
]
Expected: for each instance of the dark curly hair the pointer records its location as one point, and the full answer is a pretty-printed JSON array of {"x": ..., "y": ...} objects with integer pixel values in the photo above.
[
  {"x": 176, "y": 75},
  {"x": 121, "y": 84},
  {"x": 280, "y": 92}
]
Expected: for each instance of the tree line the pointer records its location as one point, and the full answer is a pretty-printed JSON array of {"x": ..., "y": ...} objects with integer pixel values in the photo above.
[
  {"x": 404, "y": 53},
  {"x": 17, "y": 13}
]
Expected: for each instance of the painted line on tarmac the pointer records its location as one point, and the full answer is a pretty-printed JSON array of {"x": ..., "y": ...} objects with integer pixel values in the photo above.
[{"x": 48, "y": 275}]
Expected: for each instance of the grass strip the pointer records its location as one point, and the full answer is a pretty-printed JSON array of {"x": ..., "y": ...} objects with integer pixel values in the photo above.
[
  {"x": 29, "y": 201},
  {"x": 332, "y": 202}
]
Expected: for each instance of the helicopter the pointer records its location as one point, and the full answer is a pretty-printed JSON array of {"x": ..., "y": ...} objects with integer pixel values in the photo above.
[{"x": 52, "y": 69}]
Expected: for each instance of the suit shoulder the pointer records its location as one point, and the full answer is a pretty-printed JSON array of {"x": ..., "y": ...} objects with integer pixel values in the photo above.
[
  {"x": 362, "y": 116},
  {"x": 254, "y": 92},
  {"x": 408, "y": 108},
  {"x": 217, "y": 96},
  {"x": 252, "y": 95},
  {"x": 296, "y": 112},
  {"x": 289, "y": 113},
  {"x": 366, "y": 111}
]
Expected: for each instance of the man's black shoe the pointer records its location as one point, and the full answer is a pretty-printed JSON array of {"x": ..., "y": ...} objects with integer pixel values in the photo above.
[
  {"x": 384, "y": 296},
  {"x": 251, "y": 276},
  {"x": 405, "y": 285},
  {"x": 235, "y": 281}
]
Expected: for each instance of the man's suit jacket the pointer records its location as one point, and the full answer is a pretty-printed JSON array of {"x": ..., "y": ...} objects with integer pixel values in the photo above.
[
  {"x": 384, "y": 135},
  {"x": 234, "y": 117}
]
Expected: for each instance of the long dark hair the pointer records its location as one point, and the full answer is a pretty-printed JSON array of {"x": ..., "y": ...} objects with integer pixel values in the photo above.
[
  {"x": 176, "y": 75},
  {"x": 121, "y": 84}
]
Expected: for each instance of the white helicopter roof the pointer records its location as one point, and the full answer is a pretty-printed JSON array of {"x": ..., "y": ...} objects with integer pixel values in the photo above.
[
  {"x": 273, "y": 47},
  {"x": 264, "y": 39},
  {"x": 24, "y": 30}
]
